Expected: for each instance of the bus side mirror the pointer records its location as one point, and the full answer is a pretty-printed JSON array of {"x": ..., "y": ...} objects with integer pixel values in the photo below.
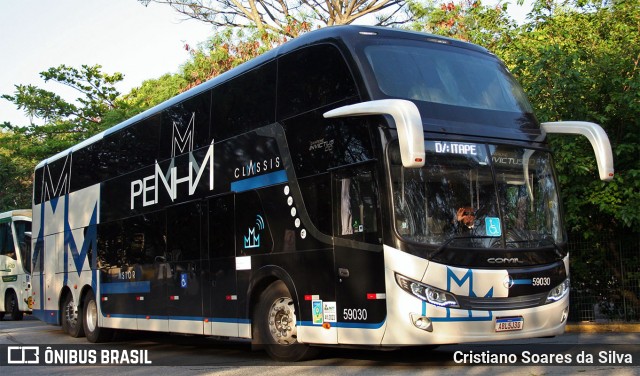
[
  {"x": 408, "y": 123},
  {"x": 597, "y": 137}
]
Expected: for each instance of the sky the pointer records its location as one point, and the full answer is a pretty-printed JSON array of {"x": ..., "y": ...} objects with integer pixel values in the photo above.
[{"x": 121, "y": 35}]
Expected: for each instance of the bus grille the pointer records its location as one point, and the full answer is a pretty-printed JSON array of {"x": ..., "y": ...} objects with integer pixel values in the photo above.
[{"x": 502, "y": 304}]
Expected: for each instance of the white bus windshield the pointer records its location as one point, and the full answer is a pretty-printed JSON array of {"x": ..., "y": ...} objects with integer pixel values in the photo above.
[{"x": 477, "y": 195}]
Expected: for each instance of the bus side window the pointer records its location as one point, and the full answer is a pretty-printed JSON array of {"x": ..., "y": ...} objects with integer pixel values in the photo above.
[
  {"x": 244, "y": 103},
  {"x": 311, "y": 78},
  {"x": 6, "y": 241},
  {"x": 316, "y": 193},
  {"x": 144, "y": 239},
  {"x": 110, "y": 245},
  {"x": 356, "y": 206},
  {"x": 183, "y": 232}
]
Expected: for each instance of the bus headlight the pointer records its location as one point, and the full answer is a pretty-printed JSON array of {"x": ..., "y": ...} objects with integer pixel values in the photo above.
[
  {"x": 427, "y": 293},
  {"x": 558, "y": 292}
]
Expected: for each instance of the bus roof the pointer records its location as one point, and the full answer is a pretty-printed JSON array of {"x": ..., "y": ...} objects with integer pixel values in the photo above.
[
  {"x": 345, "y": 33},
  {"x": 26, "y": 213}
]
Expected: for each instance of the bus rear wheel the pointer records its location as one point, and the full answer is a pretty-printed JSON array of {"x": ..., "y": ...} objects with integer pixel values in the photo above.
[
  {"x": 11, "y": 306},
  {"x": 92, "y": 330},
  {"x": 275, "y": 325},
  {"x": 70, "y": 317}
]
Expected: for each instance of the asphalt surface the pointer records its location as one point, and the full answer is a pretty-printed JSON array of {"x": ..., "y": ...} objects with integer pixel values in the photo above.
[{"x": 585, "y": 348}]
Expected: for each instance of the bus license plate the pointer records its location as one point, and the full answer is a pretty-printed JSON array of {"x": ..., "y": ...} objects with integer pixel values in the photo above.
[{"x": 506, "y": 324}]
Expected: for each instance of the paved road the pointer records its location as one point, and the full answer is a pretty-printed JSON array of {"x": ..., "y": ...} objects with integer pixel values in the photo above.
[{"x": 189, "y": 355}]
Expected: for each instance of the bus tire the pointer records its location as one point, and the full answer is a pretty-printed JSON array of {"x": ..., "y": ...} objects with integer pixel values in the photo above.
[
  {"x": 92, "y": 330},
  {"x": 275, "y": 326},
  {"x": 12, "y": 307},
  {"x": 71, "y": 315}
]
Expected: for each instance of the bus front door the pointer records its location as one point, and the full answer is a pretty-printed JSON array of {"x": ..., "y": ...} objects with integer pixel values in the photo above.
[{"x": 359, "y": 263}]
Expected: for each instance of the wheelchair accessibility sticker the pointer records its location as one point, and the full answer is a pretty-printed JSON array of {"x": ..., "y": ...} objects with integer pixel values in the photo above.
[{"x": 492, "y": 224}]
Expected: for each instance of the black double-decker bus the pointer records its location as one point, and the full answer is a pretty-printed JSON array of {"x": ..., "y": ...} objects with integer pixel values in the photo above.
[{"x": 354, "y": 186}]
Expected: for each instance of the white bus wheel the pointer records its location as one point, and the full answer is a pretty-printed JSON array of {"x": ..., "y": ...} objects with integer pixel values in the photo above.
[
  {"x": 275, "y": 318},
  {"x": 92, "y": 329},
  {"x": 71, "y": 314}
]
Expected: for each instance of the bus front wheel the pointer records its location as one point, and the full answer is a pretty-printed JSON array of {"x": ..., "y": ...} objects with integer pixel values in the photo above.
[
  {"x": 275, "y": 325},
  {"x": 92, "y": 330},
  {"x": 70, "y": 317}
]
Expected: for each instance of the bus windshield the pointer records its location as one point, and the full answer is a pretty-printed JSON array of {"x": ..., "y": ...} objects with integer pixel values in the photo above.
[
  {"x": 477, "y": 196},
  {"x": 23, "y": 234},
  {"x": 448, "y": 76}
]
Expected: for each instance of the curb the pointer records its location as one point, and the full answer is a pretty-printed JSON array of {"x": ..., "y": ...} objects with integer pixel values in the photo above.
[{"x": 602, "y": 328}]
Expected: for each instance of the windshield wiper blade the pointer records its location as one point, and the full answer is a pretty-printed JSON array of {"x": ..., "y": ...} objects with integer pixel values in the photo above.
[
  {"x": 445, "y": 245},
  {"x": 545, "y": 241}
]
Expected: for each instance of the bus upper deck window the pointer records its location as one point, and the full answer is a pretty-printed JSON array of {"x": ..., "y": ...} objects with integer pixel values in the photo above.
[{"x": 445, "y": 75}]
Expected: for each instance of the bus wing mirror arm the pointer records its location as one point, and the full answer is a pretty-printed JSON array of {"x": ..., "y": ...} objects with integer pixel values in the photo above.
[
  {"x": 597, "y": 137},
  {"x": 408, "y": 123}
]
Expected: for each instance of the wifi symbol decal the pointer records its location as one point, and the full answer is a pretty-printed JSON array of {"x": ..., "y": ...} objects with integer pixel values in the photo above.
[
  {"x": 252, "y": 240},
  {"x": 259, "y": 222}
]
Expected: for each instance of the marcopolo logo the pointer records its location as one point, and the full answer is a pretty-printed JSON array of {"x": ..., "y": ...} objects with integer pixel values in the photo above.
[{"x": 504, "y": 260}]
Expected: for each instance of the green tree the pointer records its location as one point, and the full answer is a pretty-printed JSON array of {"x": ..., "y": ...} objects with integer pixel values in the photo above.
[
  {"x": 468, "y": 20},
  {"x": 225, "y": 50},
  {"x": 62, "y": 124},
  {"x": 78, "y": 118},
  {"x": 98, "y": 95},
  {"x": 278, "y": 16},
  {"x": 15, "y": 175},
  {"x": 581, "y": 62}
]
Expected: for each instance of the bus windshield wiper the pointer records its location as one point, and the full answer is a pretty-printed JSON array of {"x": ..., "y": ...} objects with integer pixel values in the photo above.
[
  {"x": 445, "y": 245},
  {"x": 545, "y": 241}
]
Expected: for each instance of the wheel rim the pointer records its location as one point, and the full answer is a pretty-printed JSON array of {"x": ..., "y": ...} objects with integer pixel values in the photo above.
[
  {"x": 71, "y": 314},
  {"x": 282, "y": 321},
  {"x": 92, "y": 316}
]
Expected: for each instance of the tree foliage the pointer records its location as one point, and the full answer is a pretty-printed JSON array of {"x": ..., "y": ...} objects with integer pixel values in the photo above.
[
  {"x": 278, "y": 16},
  {"x": 55, "y": 124},
  {"x": 97, "y": 90},
  {"x": 15, "y": 174},
  {"x": 580, "y": 61},
  {"x": 468, "y": 20}
]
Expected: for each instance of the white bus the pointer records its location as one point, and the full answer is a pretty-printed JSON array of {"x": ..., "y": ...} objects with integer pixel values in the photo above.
[
  {"x": 355, "y": 186},
  {"x": 15, "y": 264}
]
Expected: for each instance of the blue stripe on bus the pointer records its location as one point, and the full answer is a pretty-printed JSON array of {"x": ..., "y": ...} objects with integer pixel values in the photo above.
[
  {"x": 350, "y": 325},
  {"x": 522, "y": 281},
  {"x": 230, "y": 320},
  {"x": 175, "y": 318},
  {"x": 46, "y": 315},
  {"x": 259, "y": 181},
  {"x": 125, "y": 287}
]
